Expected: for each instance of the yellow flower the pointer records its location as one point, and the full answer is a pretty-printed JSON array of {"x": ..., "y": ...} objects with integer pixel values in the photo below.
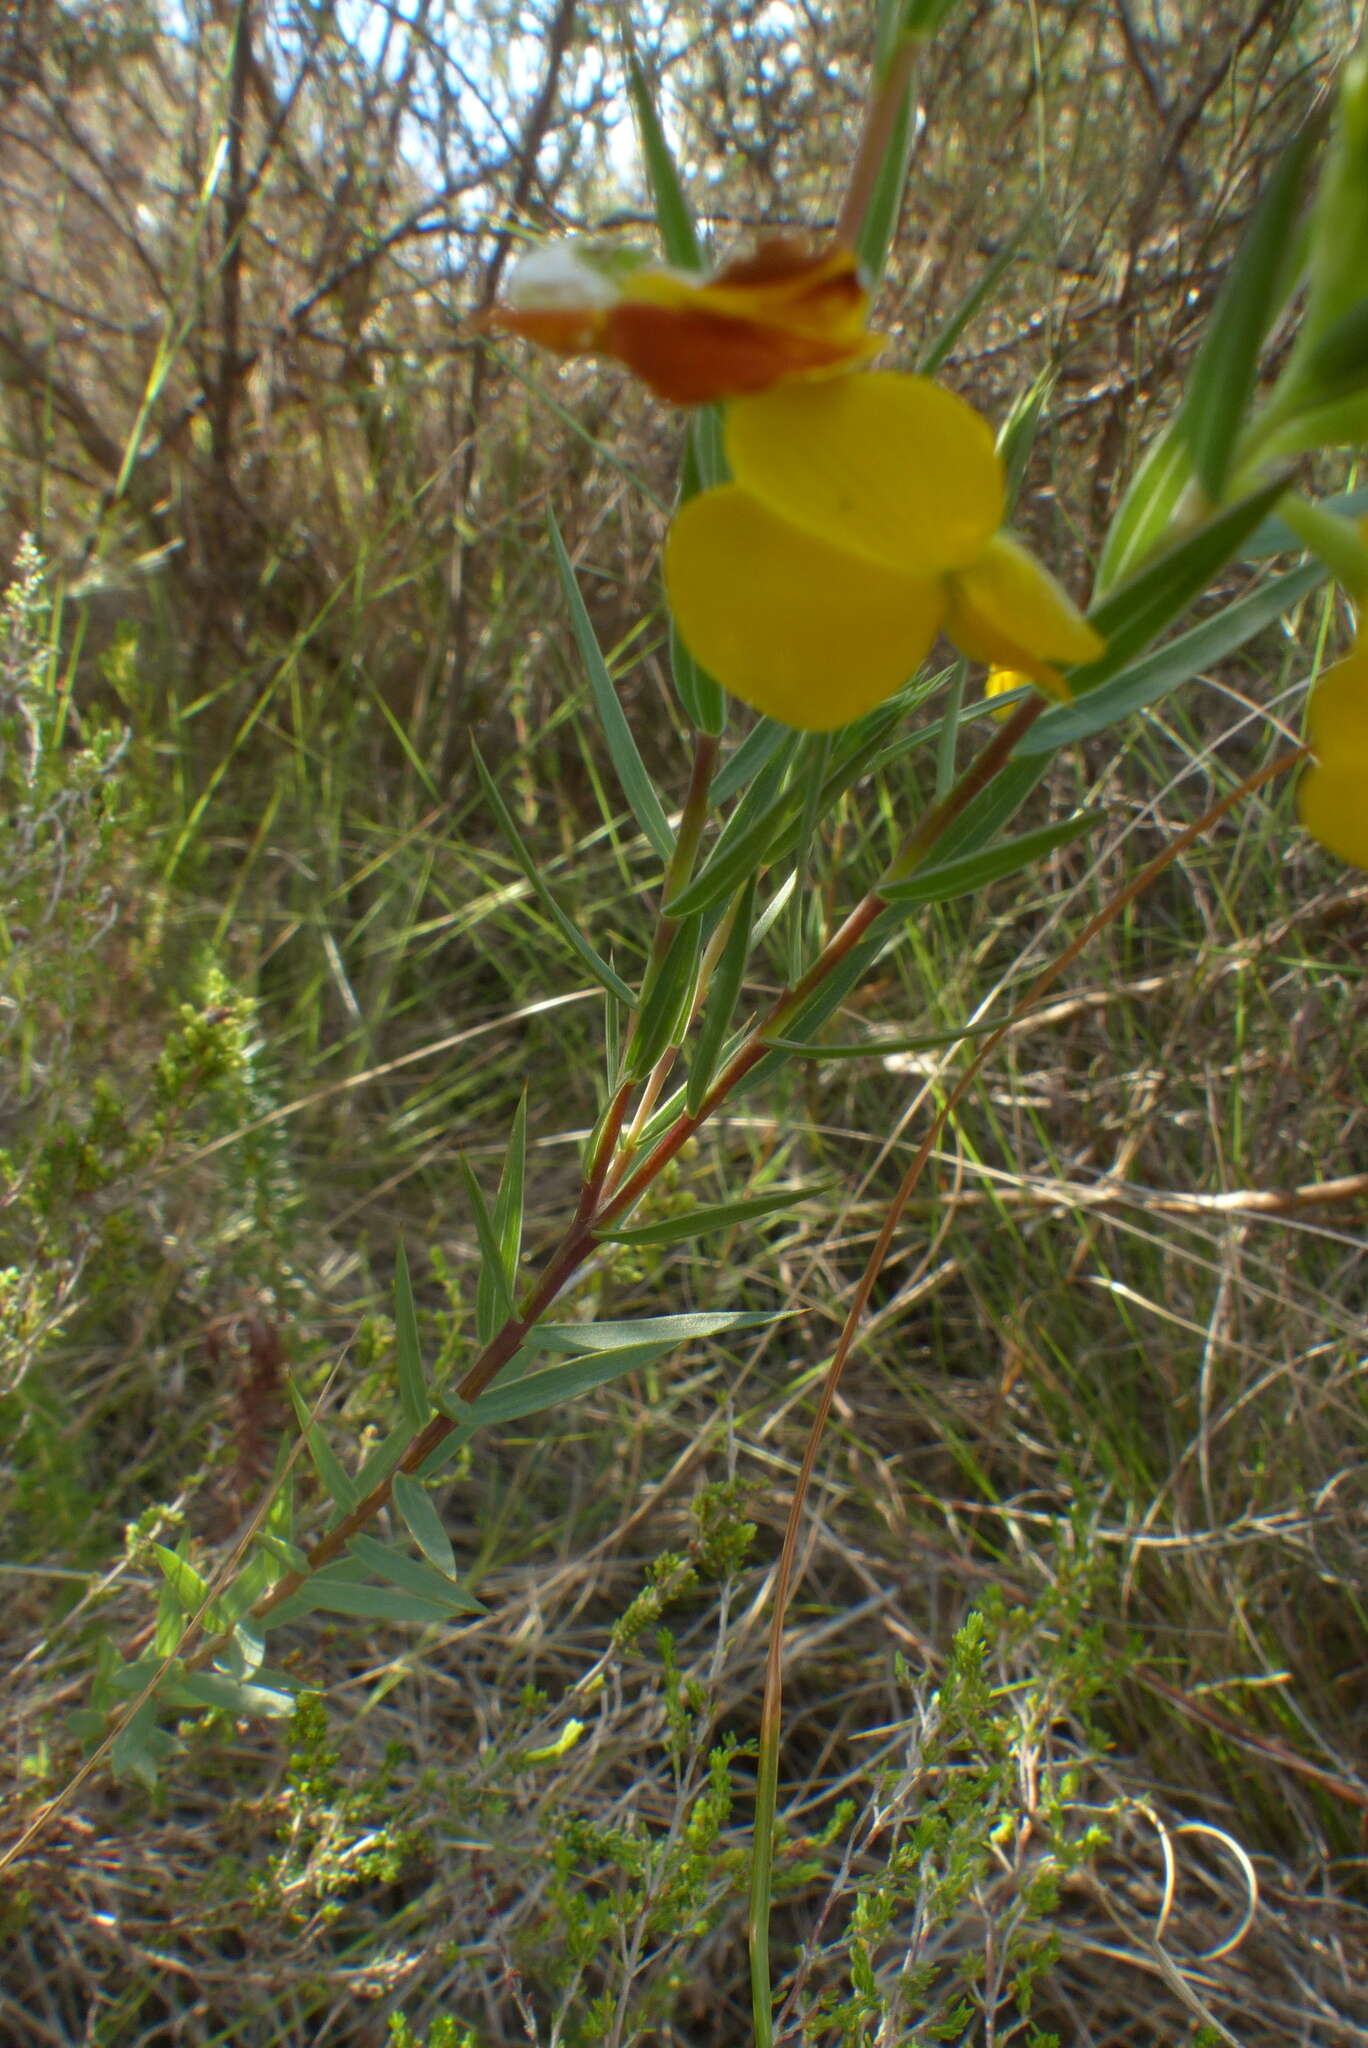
[
  {"x": 1332, "y": 796},
  {"x": 863, "y": 518},
  {"x": 783, "y": 312},
  {"x": 999, "y": 682}
]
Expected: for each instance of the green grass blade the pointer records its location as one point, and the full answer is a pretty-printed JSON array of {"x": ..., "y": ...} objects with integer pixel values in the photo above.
[
  {"x": 413, "y": 1393},
  {"x": 637, "y": 786},
  {"x": 980, "y": 294},
  {"x": 603, "y": 974}
]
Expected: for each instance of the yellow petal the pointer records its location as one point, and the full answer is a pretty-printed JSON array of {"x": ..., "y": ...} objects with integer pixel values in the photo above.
[
  {"x": 1332, "y": 803},
  {"x": 1006, "y": 609},
  {"x": 800, "y": 630},
  {"x": 1337, "y": 714},
  {"x": 1000, "y": 681},
  {"x": 886, "y": 466}
]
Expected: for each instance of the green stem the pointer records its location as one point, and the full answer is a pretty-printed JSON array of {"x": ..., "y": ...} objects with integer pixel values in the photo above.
[{"x": 881, "y": 120}]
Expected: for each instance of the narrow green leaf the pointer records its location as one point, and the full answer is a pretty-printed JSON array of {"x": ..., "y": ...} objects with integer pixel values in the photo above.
[
  {"x": 234, "y": 1695},
  {"x": 1132, "y": 615},
  {"x": 535, "y": 1391},
  {"x": 385, "y": 1455},
  {"x": 720, "y": 1000},
  {"x": 1150, "y": 501},
  {"x": 981, "y": 819},
  {"x": 574, "y": 938},
  {"x": 363, "y": 1603},
  {"x": 1017, "y": 435},
  {"x": 665, "y": 1000},
  {"x": 714, "y": 1216},
  {"x": 766, "y": 807},
  {"x": 1275, "y": 537},
  {"x": 414, "y": 1506},
  {"x": 760, "y": 745},
  {"x": 245, "y": 1651},
  {"x": 413, "y": 1394},
  {"x": 256, "y": 1576},
  {"x": 413, "y": 1575},
  {"x": 289, "y": 1554},
  {"x": 1223, "y": 376},
  {"x": 976, "y": 870},
  {"x": 1148, "y": 680},
  {"x": 190, "y": 1589},
  {"x": 325, "y": 1460},
  {"x": 508, "y": 1221},
  {"x": 878, "y": 1048},
  {"x": 499, "y": 1301},
  {"x": 637, "y": 786},
  {"x": 812, "y": 1014},
  {"x": 672, "y": 213},
  {"x": 661, "y": 1330}
]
